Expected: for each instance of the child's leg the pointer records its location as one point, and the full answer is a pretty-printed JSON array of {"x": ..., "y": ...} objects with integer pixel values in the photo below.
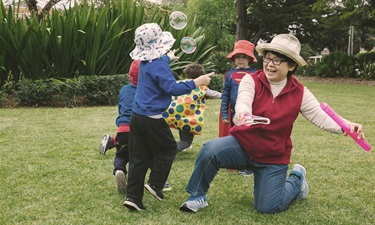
[
  {"x": 153, "y": 146},
  {"x": 122, "y": 152},
  {"x": 186, "y": 139},
  {"x": 164, "y": 152},
  {"x": 121, "y": 159}
]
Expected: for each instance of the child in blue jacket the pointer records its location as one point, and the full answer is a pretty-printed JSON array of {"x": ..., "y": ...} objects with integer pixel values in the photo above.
[{"x": 152, "y": 145}]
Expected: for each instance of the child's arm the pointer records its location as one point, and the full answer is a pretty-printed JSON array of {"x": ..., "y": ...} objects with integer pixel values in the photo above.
[
  {"x": 171, "y": 55},
  {"x": 225, "y": 99},
  {"x": 203, "y": 79},
  {"x": 213, "y": 94}
]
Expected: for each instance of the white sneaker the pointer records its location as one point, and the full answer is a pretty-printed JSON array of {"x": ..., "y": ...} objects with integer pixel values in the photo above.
[
  {"x": 104, "y": 144},
  {"x": 193, "y": 204},
  {"x": 299, "y": 169},
  {"x": 187, "y": 149},
  {"x": 121, "y": 181}
]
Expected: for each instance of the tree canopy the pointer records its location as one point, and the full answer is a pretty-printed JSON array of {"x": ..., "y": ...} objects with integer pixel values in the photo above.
[{"x": 319, "y": 23}]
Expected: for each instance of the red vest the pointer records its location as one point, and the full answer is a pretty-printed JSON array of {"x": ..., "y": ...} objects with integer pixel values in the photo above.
[{"x": 271, "y": 143}]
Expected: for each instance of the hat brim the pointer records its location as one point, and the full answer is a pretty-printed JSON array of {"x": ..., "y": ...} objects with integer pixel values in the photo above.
[
  {"x": 241, "y": 51},
  {"x": 149, "y": 53},
  {"x": 282, "y": 50}
]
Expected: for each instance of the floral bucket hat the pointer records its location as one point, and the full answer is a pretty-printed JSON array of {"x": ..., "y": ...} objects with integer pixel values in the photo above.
[{"x": 151, "y": 42}]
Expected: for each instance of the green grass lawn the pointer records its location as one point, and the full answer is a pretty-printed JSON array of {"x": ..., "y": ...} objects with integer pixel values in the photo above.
[{"x": 52, "y": 173}]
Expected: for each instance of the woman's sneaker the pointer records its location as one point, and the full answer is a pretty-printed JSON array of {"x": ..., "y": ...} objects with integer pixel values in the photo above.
[
  {"x": 300, "y": 171},
  {"x": 193, "y": 204}
]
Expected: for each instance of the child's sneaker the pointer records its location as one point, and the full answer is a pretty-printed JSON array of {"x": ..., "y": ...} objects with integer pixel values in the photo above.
[
  {"x": 300, "y": 171},
  {"x": 120, "y": 181},
  {"x": 193, "y": 204},
  {"x": 185, "y": 149},
  {"x": 105, "y": 144},
  {"x": 245, "y": 173},
  {"x": 167, "y": 187},
  {"x": 134, "y": 204},
  {"x": 157, "y": 193}
]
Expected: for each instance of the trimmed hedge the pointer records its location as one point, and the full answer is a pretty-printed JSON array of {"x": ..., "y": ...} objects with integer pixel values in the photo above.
[{"x": 75, "y": 92}]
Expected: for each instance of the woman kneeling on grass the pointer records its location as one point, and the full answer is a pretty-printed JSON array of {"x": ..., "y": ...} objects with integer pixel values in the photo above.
[{"x": 265, "y": 148}]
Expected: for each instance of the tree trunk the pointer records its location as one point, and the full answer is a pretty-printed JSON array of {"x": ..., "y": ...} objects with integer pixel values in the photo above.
[
  {"x": 31, "y": 4},
  {"x": 241, "y": 29}
]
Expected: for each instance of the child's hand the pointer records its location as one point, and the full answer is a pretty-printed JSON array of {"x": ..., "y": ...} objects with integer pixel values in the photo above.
[
  {"x": 225, "y": 121},
  {"x": 203, "y": 79},
  {"x": 171, "y": 55}
]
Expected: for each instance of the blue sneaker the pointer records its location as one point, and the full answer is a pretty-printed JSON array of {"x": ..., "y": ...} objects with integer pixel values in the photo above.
[
  {"x": 300, "y": 171},
  {"x": 193, "y": 204}
]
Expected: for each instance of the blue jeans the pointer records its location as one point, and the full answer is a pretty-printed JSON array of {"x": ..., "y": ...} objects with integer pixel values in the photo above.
[{"x": 273, "y": 192}]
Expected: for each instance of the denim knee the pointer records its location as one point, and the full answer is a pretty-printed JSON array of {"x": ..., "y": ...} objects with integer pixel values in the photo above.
[{"x": 267, "y": 208}]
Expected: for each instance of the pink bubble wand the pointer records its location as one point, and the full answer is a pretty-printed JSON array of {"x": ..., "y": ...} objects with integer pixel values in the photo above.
[{"x": 331, "y": 113}]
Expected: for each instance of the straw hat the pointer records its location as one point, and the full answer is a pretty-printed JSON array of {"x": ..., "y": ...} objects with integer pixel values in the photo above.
[
  {"x": 286, "y": 44},
  {"x": 151, "y": 42},
  {"x": 243, "y": 47}
]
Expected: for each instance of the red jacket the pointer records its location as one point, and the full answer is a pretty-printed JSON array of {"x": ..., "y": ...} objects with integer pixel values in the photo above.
[{"x": 271, "y": 143}]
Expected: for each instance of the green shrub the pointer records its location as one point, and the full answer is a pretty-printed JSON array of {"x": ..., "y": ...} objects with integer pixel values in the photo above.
[
  {"x": 336, "y": 64},
  {"x": 366, "y": 57},
  {"x": 37, "y": 93},
  {"x": 2, "y": 98},
  {"x": 102, "y": 90},
  {"x": 217, "y": 82},
  {"x": 367, "y": 70},
  {"x": 220, "y": 62},
  {"x": 339, "y": 64},
  {"x": 71, "y": 92}
]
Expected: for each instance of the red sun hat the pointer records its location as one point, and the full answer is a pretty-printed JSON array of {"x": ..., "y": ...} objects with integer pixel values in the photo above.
[{"x": 243, "y": 47}]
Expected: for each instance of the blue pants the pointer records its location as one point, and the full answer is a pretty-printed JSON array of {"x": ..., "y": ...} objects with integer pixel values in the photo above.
[
  {"x": 122, "y": 152},
  {"x": 273, "y": 192}
]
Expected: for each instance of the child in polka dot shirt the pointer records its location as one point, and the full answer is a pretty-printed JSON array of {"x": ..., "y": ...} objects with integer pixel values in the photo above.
[{"x": 185, "y": 112}]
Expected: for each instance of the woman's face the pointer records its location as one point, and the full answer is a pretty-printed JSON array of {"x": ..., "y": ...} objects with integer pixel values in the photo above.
[
  {"x": 273, "y": 71},
  {"x": 241, "y": 61}
]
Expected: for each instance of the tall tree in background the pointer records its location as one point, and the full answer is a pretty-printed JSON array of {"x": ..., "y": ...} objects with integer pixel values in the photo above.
[
  {"x": 242, "y": 25},
  {"x": 270, "y": 17}
]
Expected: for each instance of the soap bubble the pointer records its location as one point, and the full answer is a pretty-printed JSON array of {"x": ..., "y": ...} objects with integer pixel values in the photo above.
[
  {"x": 188, "y": 45},
  {"x": 178, "y": 20}
]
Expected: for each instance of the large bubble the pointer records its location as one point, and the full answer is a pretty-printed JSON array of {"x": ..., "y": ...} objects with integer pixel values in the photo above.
[
  {"x": 188, "y": 45},
  {"x": 178, "y": 20}
]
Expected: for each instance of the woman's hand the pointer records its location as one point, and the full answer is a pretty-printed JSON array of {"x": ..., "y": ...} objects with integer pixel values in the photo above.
[
  {"x": 357, "y": 128},
  {"x": 238, "y": 117}
]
